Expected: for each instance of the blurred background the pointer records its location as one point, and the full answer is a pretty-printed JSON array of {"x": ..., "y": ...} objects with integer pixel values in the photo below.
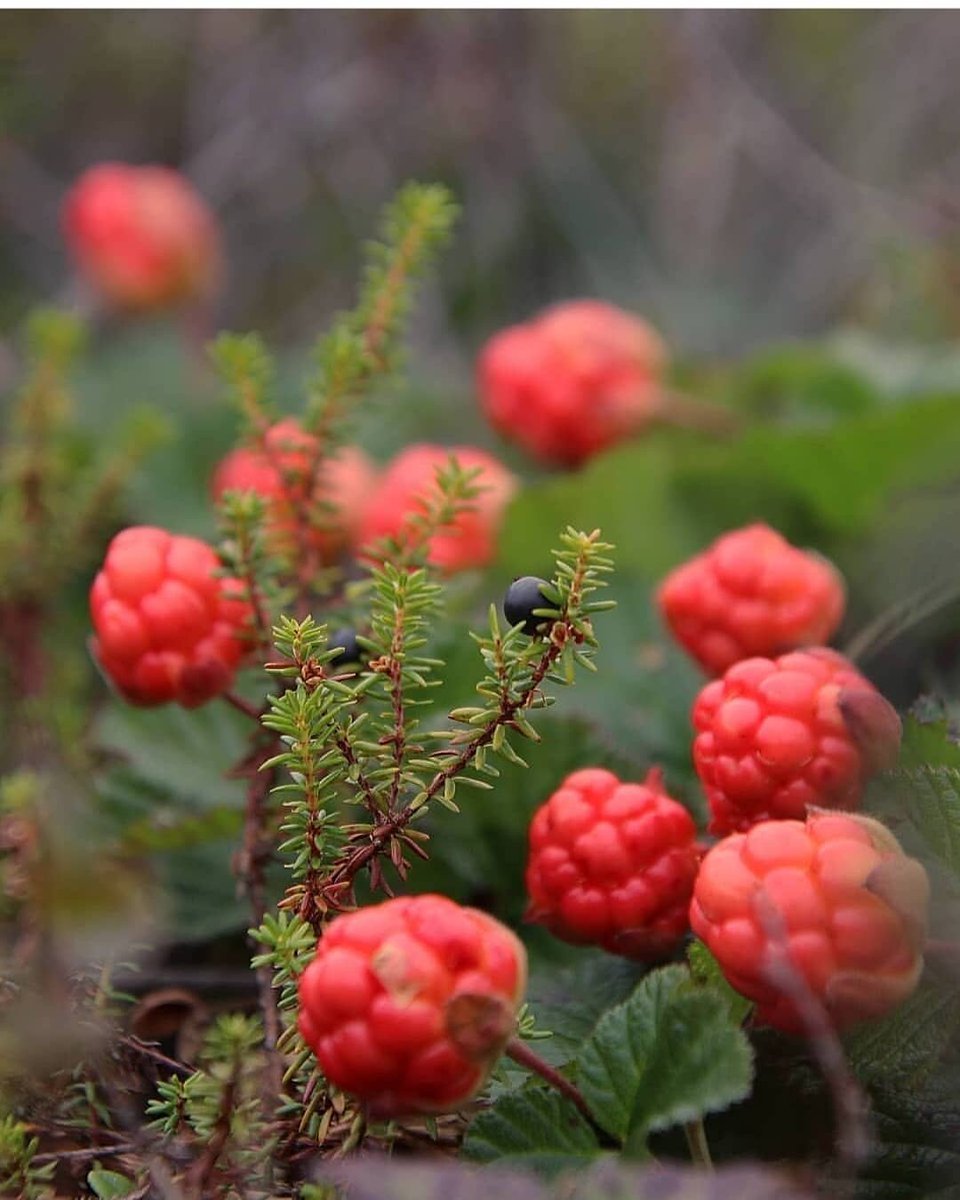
[{"x": 736, "y": 177}]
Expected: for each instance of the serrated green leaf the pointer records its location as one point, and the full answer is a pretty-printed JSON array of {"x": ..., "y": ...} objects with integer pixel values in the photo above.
[
  {"x": 536, "y": 1128},
  {"x": 669, "y": 1054},
  {"x": 909, "y": 1043}
]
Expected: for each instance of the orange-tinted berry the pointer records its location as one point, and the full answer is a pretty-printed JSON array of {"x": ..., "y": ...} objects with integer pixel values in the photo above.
[
  {"x": 404, "y": 493},
  {"x": 612, "y": 864},
  {"x": 751, "y": 593},
  {"x": 142, "y": 236},
  {"x": 776, "y": 736},
  {"x": 409, "y": 1003},
  {"x": 830, "y": 906},
  {"x": 168, "y": 627},
  {"x": 301, "y": 487},
  {"x": 573, "y": 381}
]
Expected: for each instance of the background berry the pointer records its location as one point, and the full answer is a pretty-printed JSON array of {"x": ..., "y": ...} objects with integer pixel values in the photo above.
[
  {"x": 582, "y": 376},
  {"x": 406, "y": 487},
  {"x": 292, "y": 475},
  {"x": 408, "y": 1003},
  {"x": 612, "y": 864},
  {"x": 520, "y": 600},
  {"x": 836, "y": 894},
  {"x": 751, "y": 593},
  {"x": 167, "y": 626},
  {"x": 142, "y": 236},
  {"x": 775, "y": 736},
  {"x": 351, "y": 652}
]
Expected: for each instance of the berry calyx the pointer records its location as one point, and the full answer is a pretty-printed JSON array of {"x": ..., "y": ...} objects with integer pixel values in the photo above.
[
  {"x": 521, "y": 599},
  {"x": 142, "y": 236},
  {"x": 613, "y": 864},
  {"x": 404, "y": 494},
  {"x": 409, "y": 1003},
  {"x": 167, "y": 626},
  {"x": 832, "y": 900},
  {"x": 580, "y": 377},
  {"x": 751, "y": 593},
  {"x": 304, "y": 490},
  {"x": 777, "y": 736}
]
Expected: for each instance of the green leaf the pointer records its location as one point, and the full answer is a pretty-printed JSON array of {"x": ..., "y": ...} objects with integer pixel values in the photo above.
[
  {"x": 909, "y": 1043},
  {"x": 669, "y": 1054},
  {"x": 706, "y": 971},
  {"x": 536, "y": 1128},
  {"x": 109, "y": 1185}
]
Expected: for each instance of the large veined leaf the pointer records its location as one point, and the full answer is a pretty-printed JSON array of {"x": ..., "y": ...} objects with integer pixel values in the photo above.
[
  {"x": 669, "y": 1054},
  {"x": 536, "y": 1128}
]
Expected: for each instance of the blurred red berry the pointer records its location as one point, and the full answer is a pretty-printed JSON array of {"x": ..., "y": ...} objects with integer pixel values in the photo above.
[
  {"x": 775, "y": 736},
  {"x": 290, "y": 473},
  {"x": 612, "y": 864},
  {"x": 168, "y": 626},
  {"x": 406, "y": 488},
  {"x": 409, "y": 1003},
  {"x": 142, "y": 236},
  {"x": 751, "y": 593},
  {"x": 580, "y": 377},
  {"x": 831, "y": 907}
]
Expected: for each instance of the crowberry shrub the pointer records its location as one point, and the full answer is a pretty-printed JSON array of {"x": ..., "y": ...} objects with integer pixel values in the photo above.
[
  {"x": 613, "y": 864},
  {"x": 775, "y": 736},
  {"x": 142, "y": 236},
  {"x": 167, "y": 626},
  {"x": 302, "y": 486},
  {"x": 409, "y": 486},
  {"x": 409, "y": 1003},
  {"x": 830, "y": 908},
  {"x": 751, "y": 593},
  {"x": 573, "y": 381}
]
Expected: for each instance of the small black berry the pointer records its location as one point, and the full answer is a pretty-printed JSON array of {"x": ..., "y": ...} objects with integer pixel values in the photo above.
[
  {"x": 522, "y": 597},
  {"x": 345, "y": 640}
]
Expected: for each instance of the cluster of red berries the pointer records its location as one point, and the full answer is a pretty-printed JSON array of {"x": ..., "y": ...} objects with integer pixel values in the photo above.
[
  {"x": 408, "y": 1003},
  {"x": 798, "y": 905}
]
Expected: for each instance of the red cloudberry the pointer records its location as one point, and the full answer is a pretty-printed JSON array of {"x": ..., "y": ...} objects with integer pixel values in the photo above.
[
  {"x": 142, "y": 236},
  {"x": 289, "y": 471},
  {"x": 775, "y": 736},
  {"x": 408, "y": 1003},
  {"x": 405, "y": 490},
  {"x": 831, "y": 906},
  {"x": 612, "y": 864},
  {"x": 580, "y": 377},
  {"x": 750, "y": 593},
  {"x": 167, "y": 626}
]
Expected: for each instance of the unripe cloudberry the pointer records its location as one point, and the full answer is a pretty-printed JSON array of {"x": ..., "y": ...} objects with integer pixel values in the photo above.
[
  {"x": 301, "y": 486},
  {"x": 167, "y": 626},
  {"x": 580, "y": 377},
  {"x": 406, "y": 488},
  {"x": 775, "y": 736},
  {"x": 408, "y": 1004},
  {"x": 835, "y": 897},
  {"x": 521, "y": 599},
  {"x": 142, "y": 236},
  {"x": 612, "y": 864},
  {"x": 751, "y": 593}
]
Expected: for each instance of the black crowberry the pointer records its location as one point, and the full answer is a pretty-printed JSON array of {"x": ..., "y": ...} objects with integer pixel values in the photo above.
[
  {"x": 345, "y": 640},
  {"x": 522, "y": 597}
]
